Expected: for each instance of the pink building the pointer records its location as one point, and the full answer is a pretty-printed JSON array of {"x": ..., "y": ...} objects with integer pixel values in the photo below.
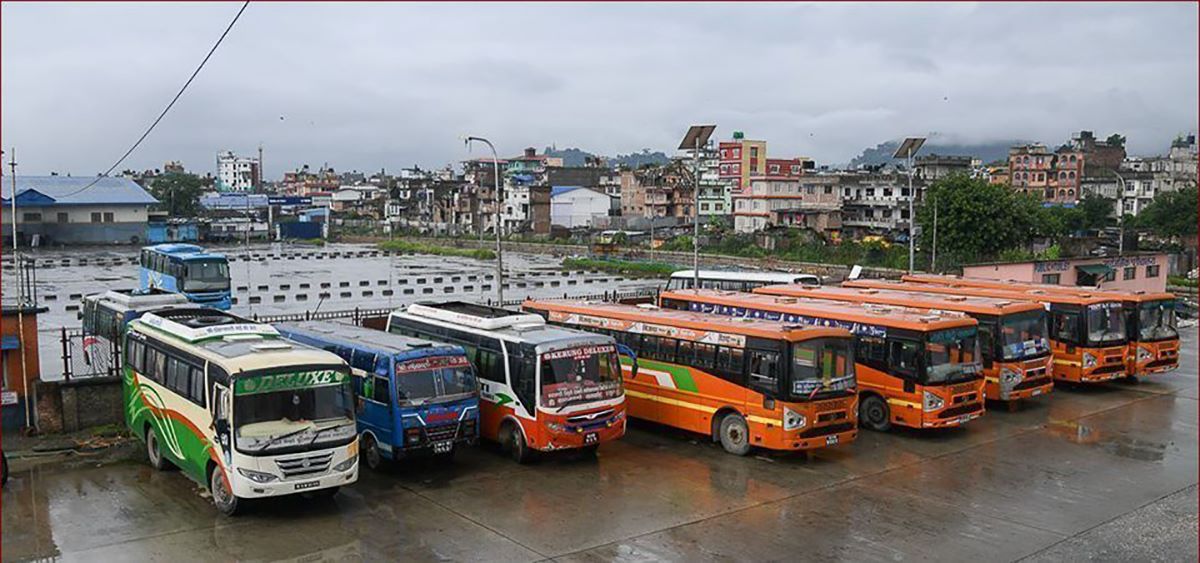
[{"x": 1132, "y": 272}]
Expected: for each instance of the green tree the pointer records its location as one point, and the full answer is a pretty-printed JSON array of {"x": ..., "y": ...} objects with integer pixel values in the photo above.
[
  {"x": 178, "y": 193},
  {"x": 1116, "y": 140},
  {"x": 1171, "y": 214},
  {"x": 1097, "y": 212},
  {"x": 977, "y": 221}
]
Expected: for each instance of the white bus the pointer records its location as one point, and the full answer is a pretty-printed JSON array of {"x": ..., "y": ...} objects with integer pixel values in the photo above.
[
  {"x": 542, "y": 387},
  {"x": 238, "y": 408},
  {"x": 737, "y": 281}
]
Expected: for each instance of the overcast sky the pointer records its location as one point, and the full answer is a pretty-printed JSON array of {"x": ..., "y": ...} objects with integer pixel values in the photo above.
[{"x": 372, "y": 85}]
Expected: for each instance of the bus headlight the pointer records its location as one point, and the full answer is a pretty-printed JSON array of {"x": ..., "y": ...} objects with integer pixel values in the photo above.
[
  {"x": 793, "y": 420},
  {"x": 256, "y": 476},
  {"x": 557, "y": 427},
  {"x": 1144, "y": 354},
  {"x": 931, "y": 402},
  {"x": 1009, "y": 375},
  {"x": 1089, "y": 361},
  {"x": 346, "y": 465}
]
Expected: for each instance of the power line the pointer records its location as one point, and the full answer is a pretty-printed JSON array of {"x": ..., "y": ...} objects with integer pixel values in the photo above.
[{"x": 169, "y": 106}]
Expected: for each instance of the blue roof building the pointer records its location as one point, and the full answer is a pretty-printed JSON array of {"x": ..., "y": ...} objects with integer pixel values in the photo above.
[{"x": 73, "y": 210}]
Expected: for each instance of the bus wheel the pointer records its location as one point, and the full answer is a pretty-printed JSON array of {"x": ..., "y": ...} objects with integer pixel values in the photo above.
[
  {"x": 735, "y": 435},
  {"x": 873, "y": 413},
  {"x": 518, "y": 449},
  {"x": 370, "y": 453},
  {"x": 154, "y": 452},
  {"x": 223, "y": 497}
]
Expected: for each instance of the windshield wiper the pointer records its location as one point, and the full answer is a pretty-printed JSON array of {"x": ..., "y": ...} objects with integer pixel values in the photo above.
[
  {"x": 322, "y": 431},
  {"x": 282, "y": 436},
  {"x": 575, "y": 402}
]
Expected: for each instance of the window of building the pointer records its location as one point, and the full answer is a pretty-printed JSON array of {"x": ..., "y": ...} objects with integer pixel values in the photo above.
[
  {"x": 1110, "y": 276},
  {"x": 1052, "y": 279},
  {"x": 1152, "y": 271},
  {"x": 1071, "y": 193},
  {"x": 828, "y": 190},
  {"x": 1072, "y": 159},
  {"x": 1071, "y": 175},
  {"x": 774, "y": 169},
  {"x": 795, "y": 169},
  {"x": 96, "y": 217},
  {"x": 31, "y": 217},
  {"x": 63, "y": 218},
  {"x": 1130, "y": 272}
]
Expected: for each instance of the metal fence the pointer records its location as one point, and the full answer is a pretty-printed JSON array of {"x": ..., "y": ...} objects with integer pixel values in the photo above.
[{"x": 87, "y": 355}]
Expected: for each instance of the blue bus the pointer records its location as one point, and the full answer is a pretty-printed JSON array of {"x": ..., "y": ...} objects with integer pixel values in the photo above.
[
  {"x": 201, "y": 276},
  {"x": 414, "y": 397}
]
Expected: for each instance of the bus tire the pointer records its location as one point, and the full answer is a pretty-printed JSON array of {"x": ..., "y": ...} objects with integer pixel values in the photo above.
[
  {"x": 873, "y": 413},
  {"x": 154, "y": 452},
  {"x": 589, "y": 452},
  {"x": 370, "y": 453},
  {"x": 514, "y": 442},
  {"x": 735, "y": 434},
  {"x": 223, "y": 498}
]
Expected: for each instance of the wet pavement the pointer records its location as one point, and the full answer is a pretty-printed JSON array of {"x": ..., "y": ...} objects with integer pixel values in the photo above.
[{"x": 1100, "y": 473}]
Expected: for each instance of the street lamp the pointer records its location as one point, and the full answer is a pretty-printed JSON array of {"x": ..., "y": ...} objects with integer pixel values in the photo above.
[
  {"x": 697, "y": 135},
  {"x": 1120, "y": 212},
  {"x": 907, "y": 149},
  {"x": 499, "y": 254}
]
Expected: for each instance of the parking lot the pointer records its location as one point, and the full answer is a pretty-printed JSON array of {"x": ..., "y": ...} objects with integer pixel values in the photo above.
[{"x": 1108, "y": 473}]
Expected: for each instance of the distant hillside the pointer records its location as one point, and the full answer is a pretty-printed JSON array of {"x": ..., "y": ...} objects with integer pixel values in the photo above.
[
  {"x": 987, "y": 152},
  {"x": 576, "y": 157}
]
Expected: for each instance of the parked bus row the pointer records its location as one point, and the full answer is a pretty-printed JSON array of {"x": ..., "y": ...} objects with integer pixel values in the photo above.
[{"x": 251, "y": 410}]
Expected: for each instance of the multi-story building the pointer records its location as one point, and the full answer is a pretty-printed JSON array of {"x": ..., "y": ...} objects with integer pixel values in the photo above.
[
  {"x": 811, "y": 201},
  {"x": 1053, "y": 177},
  {"x": 740, "y": 159},
  {"x": 933, "y": 167},
  {"x": 659, "y": 191},
  {"x": 1100, "y": 154},
  {"x": 237, "y": 173},
  {"x": 304, "y": 182},
  {"x": 715, "y": 192},
  {"x": 877, "y": 204},
  {"x": 530, "y": 167}
]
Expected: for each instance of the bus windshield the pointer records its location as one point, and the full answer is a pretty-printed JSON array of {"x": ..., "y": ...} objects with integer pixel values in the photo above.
[
  {"x": 1156, "y": 321},
  {"x": 579, "y": 375},
  {"x": 280, "y": 412},
  {"x": 821, "y": 366},
  {"x": 206, "y": 275},
  {"x": 418, "y": 381},
  {"x": 1105, "y": 324},
  {"x": 951, "y": 355},
  {"x": 1023, "y": 335}
]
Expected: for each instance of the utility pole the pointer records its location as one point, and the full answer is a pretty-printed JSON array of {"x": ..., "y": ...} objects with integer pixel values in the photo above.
[
  {"x": 698, "y": 135},
  {"x": 21, "y": 302},
  {"x": 907, "y": 149},
  {"x": 499, "y": 247},
  {"x": 933, "y": 253}
]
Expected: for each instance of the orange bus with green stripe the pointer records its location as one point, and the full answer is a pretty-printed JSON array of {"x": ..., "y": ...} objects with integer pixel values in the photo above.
[
  {"x": 238, "y": 408},
  {"x": 746, "y": 383}
]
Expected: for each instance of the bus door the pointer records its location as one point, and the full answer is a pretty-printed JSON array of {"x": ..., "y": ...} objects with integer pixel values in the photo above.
[
  {"x": 374, "y": 403},
  {"x": 1066, "y": 333}
]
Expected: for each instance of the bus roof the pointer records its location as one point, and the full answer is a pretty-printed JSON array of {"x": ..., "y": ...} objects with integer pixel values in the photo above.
[
  {"x": 366, "y": 339},
  {"x": 234, "y": 343},
  {"x": 504, "y": 324},
  {"x": 183, "y": 251},
  {"x": 760, "y": 328},
  {"x": 1139, "y": 296},
  {"x": 751, "y": 276},
  {"x": 862, "y": 313},
  {"x": 1035, "y": 295},
  {"x": 964, "y": 304},
  {"x": 130, "y": 299}
]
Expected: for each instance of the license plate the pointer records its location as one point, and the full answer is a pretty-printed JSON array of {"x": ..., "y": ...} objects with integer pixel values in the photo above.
[
  {"x": 964, "y": 418},
  {"x": 308, "y": 485},
  {"x": 1035, "y": 393},
  {"x": 831, "y": 440},
  {"x": 443, "y": 447},
  {"x": 591, "y": 438}
]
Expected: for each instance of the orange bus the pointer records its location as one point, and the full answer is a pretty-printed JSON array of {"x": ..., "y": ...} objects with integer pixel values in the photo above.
[
  {"x": 744, "y": 382},
  {"x": 1149, "y": 319},
  {"x": 1012, "y": 334},
  {"x": 1087, "y": 333},
  {"x": 915, "y": 368}
]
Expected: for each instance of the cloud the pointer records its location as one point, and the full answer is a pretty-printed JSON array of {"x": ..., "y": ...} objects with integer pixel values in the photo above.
[{"x": 387, "y": 85}]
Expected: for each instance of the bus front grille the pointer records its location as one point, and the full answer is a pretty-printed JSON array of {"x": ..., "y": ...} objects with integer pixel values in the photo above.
[
  {"x": 1113, "y": 368},
  {"x": 442, "y": 432},
  {"x": 1031, "y": 382},
  {"x": 827, "y": 430},
  {"x": 960, "y": 410},
  {"x": 305, "y": 465}
]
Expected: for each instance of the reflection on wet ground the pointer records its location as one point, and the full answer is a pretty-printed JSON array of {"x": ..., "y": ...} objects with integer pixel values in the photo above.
[{"x": 1107, "y": 474}]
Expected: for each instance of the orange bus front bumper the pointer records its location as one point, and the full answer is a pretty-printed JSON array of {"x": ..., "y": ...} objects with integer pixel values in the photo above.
[{"x": 1154, "y": 357}]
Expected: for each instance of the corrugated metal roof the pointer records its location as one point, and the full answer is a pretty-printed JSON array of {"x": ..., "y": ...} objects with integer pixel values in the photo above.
[
  {"x": 68, "y": 190},
  {"x": 559, "y": 190}
]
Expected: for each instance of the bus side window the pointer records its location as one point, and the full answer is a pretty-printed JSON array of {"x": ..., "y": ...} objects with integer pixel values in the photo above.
[
  {"x": 764, "y": 371},
  {"x": 706, "y": 355},
  {"x": 381, "y": 390},
  {"x": 197, "y": 387},
  {"x": 871, "y": 351},
  {"x": 730, "y": 360},
  {"x": 987, "y": 343},
  {"x": 523, "y": 375},
  {"x": 133, "y": 354},
  {"x": 358, "y": 359},
  {"x": 902, "y": 357}
]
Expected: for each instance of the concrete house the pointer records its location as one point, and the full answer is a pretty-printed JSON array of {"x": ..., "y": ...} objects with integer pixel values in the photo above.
[
  {"x": 73, "y": 210},
  {"x": 575, "y": 206}
]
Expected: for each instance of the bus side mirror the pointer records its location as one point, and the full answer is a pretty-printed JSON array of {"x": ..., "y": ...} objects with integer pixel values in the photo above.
[
  {"x": 221, "y": 425},
  {"x": 910, "y": 387}
]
